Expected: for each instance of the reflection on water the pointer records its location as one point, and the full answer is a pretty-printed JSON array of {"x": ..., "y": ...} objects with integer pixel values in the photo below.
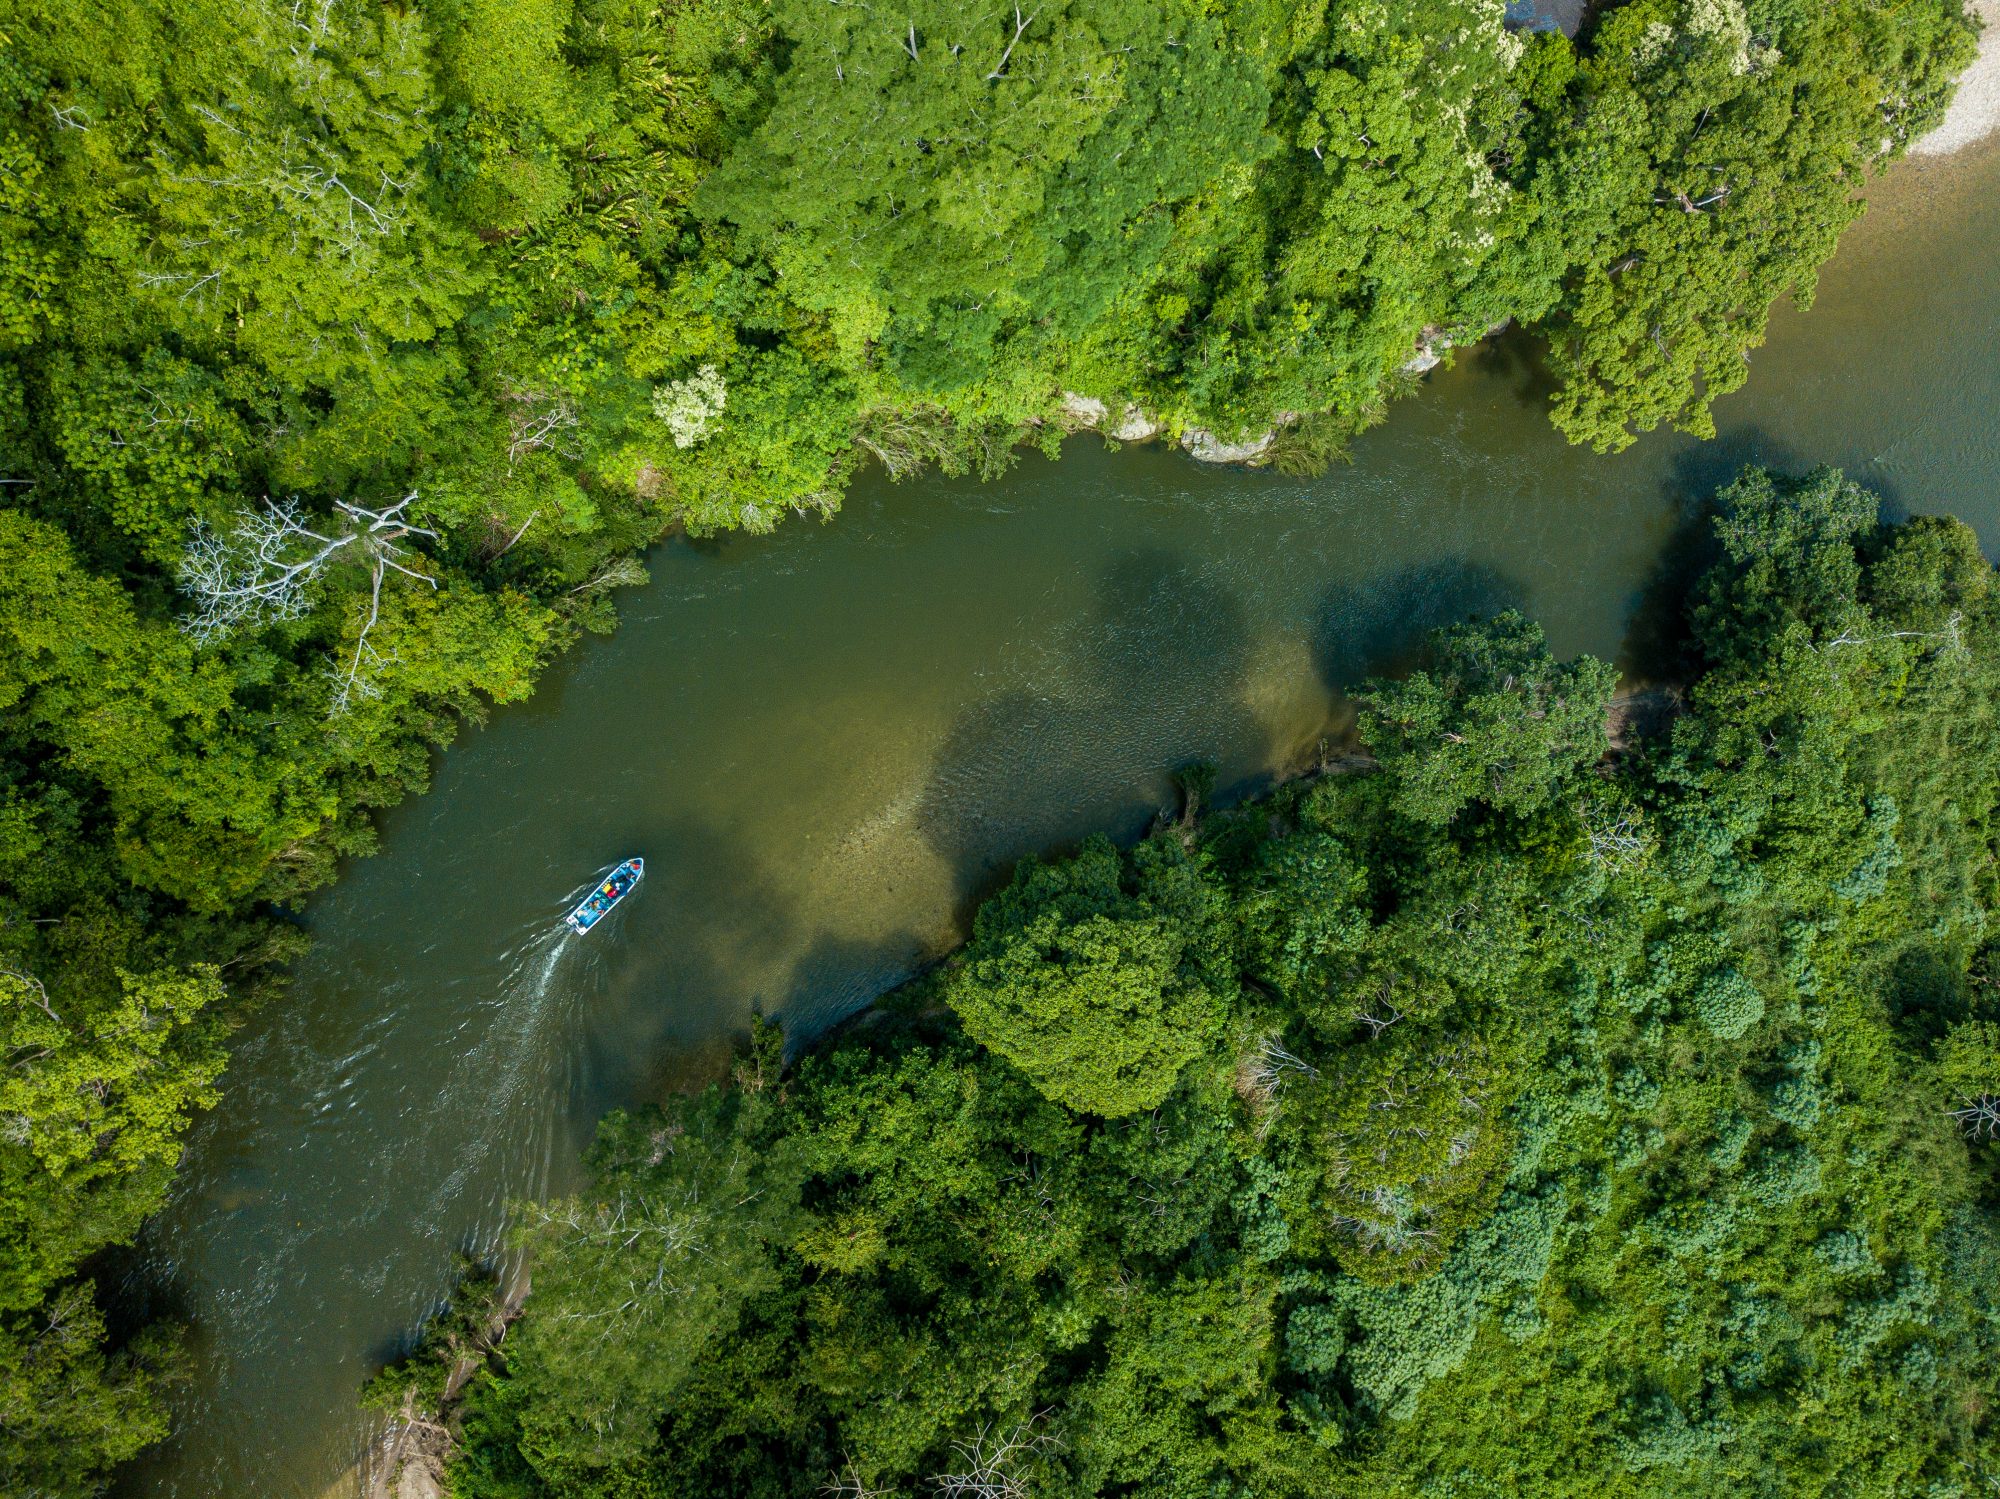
[{"x": 826, "y": 743}]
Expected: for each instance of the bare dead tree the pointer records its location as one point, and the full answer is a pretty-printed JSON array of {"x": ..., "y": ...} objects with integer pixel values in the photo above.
[
  {"x": 1980, "y": 1118},
  {"x": 293, "y": 182},
  {"x": 262, "y": 570},
  {"x": 351, "y": 685},
  {"x": 539, "y": 420},
  {"x": 257, "y": 572},
  {"x": 1376, "y": 1023},
  {"x": 1273, "y": 1062},
  {"x": 1261, "y": 1075},
  {"x": 619, "y": 572},
  {"x": 651, "y": 1253},
  {"x": 996, "y": 1461},
  {"x": 847, "y": 1483},
  {"x": 1393, "y": 1224},
  {"x": 1614, "y": 845},
  {"x": 32, "y": 990},
  {"x": 1949, "y": 635}
]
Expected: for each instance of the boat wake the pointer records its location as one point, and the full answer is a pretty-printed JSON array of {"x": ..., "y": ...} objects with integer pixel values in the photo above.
[{"x": 524, "y": 1069}]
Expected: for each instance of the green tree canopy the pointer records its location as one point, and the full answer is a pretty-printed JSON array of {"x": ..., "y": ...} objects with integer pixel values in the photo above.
[
  {"x": 1497, "y": 719},
  {"x": 1096, "y": 991}
]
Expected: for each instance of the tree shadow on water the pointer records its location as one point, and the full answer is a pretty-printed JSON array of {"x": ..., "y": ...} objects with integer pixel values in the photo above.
[
  {"x": 1519, "y": 360},
  {"x": 1656, "y": 648},
  {"x": 838, "y": 976},
  {"x": 1380, "y": 626},
  {"x": 1146, "y": 682},
  {"x": 1701, "y": 468}
]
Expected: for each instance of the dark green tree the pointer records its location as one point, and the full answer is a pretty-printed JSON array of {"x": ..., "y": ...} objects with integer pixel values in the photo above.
[
  {"x": 1497, "y": 719},
  {"x": 1098, "y": 993}
]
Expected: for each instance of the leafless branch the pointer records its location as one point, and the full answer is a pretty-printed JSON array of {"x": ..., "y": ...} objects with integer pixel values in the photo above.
[
  {"x": 517, "y": 535},
  {"x": 262, "y": 571},
  {"x": 619, "y": 572},
  {"x": 1021, "y": 24},
  {"x": 1980, "y": 1117},
  {"x": 847, "y": 1483},
  {"x": 1377, "y": 1024},
  {"x": 538, "y": 421},
  {"x": 256, "y": 573},
  {"x": 994, "y": 1461},
  {"x": 1614, "y": 845},
  {"x": 1261, "y": 1075},
  {"x": 33, "y": 990},
  {"x": 1949, "y": 635}
]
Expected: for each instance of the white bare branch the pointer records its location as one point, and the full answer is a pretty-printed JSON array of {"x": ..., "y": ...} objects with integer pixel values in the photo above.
[
  {"x": 1613, "y": 845},
  {"x": 1980, "y": 1117},
  {"x": 1949, "y": 635},
  {"x": 262, "y": 571},
  {"x": 32, "y": 990},
  {"x": 352, "y": 686},
  {"x": 1274, "y": 1062},
  {"x": 384, "y": 529},
  {"x": 1261, "y": 1075},
  {"x": 997, "y": 1461},
  {"x": 847, "y": 1483},
  {"x": 389, "y": 524},
  {"x": 620, "y": 572},
  {"x": 1376, "y": 1023},
  {"x": 535, "y": 420},
  {"x": 258, "y": 572},
  {"x": 1021, "y": 24}
]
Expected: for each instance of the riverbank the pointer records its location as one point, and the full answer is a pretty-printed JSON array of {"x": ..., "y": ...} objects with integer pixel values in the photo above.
[
  {"x": 1296, "y": 1099},
  {"x": 1975, "y": 110}
]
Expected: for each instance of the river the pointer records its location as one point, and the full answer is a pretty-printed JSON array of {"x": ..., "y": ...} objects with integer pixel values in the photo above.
[{"x": 829, "y": 741}]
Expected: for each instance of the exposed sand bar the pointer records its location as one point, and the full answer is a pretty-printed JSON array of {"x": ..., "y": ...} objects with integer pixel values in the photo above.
[{"x": 1975, "y": 113}]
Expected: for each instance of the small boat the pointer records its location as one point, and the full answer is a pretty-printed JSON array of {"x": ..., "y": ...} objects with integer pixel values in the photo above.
[{"x": 617, "y": 885}]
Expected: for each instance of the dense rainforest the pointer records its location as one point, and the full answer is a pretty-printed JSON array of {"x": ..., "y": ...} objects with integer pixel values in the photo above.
[
  {"x": 349, "y": 352},
  {"x": 1541, "y": 1103}
]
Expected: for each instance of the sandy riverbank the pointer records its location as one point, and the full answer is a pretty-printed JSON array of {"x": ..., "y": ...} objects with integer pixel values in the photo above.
[{"x": 1975, "y": 113}]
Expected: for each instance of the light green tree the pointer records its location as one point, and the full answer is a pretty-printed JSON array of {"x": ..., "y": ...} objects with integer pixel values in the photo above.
[{"x": 1713, "y": 170}]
